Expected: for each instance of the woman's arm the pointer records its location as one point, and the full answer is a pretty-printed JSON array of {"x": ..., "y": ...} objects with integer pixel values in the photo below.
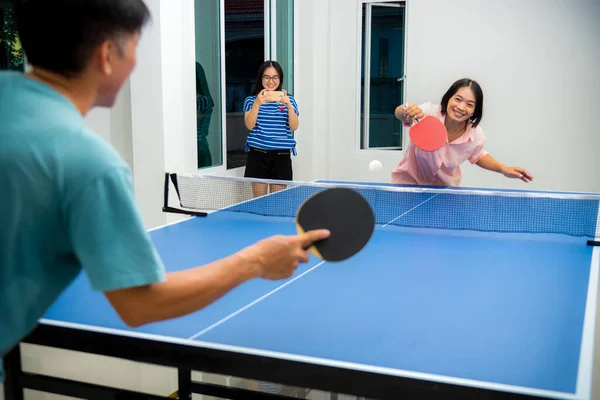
[
  {"x": 251, "y": 116},
  {"x": 488, "y": 162},
  {"x": 407, "y": 115},
  {"x": 294, "y": 122},
  {"x": 293, "y": 117},
  {"x": 399, "y": 112}
]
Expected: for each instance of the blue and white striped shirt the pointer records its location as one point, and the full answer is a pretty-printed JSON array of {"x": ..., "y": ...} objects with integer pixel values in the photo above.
[{"x": 272, "y": 129}]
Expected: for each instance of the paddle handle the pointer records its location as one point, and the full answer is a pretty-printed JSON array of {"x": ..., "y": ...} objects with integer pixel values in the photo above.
[{"x": 307, "y": 247}]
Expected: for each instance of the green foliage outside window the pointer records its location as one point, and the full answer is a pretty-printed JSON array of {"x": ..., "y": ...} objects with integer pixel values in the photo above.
[{"x": 11, "y": 52}]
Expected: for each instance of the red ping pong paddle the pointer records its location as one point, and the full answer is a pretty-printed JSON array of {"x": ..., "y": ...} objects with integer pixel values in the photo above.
[
  {"x": 428, "y": 134},
  {"x": 346, "y": 214}
]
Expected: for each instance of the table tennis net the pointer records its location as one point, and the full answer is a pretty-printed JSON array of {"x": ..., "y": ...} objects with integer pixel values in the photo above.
[{"x": 413, "y": 207}]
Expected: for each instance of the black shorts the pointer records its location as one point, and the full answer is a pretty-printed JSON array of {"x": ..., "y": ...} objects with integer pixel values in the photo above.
[{"x": 269, "y": 164}]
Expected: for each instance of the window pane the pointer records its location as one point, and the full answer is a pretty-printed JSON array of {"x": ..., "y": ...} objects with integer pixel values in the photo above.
[
  {"x": 11, "y": 53},
  {"x": 244, "y": 52},
  {"x": 383, "y": 27},
  {"x": 284, "y": 39},
  {"x": 208, "y": 83}
]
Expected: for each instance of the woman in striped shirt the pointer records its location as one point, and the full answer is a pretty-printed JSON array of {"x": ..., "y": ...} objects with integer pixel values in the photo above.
[{"x": 271, "y": 122}]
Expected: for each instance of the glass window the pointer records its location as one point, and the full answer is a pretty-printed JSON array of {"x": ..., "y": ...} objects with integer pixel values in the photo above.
[
  {"x": 208, "y": 83},
  {"x": 244, "y": 52},
  {"x": 245, "y": 48},
  {"x": 382, "y": 74},
  {"x": 282, "y": 38}
]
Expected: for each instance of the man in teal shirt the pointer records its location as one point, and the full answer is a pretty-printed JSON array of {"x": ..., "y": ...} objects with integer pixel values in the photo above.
[{"x": 67, "y": 201}]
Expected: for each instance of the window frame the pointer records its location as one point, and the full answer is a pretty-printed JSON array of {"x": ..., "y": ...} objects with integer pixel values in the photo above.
[
  {"x": 364, "y": 67},
  {"x": 270, "y": 52}
]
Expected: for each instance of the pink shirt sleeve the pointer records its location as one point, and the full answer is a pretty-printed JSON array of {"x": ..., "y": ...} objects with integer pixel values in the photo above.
[{"x": 479, "y": 150}]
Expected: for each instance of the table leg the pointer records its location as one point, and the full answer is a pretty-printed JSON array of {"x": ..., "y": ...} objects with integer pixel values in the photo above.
[
  {"x": 13, "y": 371},
  {"x": 185, "y": 384}
]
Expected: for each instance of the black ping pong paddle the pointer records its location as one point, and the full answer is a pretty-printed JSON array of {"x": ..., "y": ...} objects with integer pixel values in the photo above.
[{"x": 346, "y": 214}]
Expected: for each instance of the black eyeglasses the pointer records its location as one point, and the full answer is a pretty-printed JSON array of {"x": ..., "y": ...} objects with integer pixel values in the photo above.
[{"x": 270, "y": 78}]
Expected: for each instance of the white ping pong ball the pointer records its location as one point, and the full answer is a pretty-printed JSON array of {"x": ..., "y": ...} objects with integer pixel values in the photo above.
[{"x": 375, "y": 165}]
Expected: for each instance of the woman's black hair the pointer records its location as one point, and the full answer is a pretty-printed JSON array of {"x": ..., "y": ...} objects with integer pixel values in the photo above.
[
  {"x": 261, "y": 70},
  {"x": 476, "y": 88}
]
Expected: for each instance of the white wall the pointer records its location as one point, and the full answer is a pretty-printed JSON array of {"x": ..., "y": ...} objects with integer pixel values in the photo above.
[
  {"x": 114, "y": 125},
  {"x": 152, "y": 125},
  {"x": 312, "y": 74},
  {"x": 163, "y": 105},
  {"x": 535, "y": 60}
]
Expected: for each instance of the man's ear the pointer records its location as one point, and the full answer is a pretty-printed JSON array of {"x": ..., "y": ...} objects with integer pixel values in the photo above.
[{"x": 104, "y": 56}]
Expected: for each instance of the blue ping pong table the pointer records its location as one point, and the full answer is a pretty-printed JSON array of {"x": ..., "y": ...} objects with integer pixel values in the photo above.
[{"x": 461, "y": 293}]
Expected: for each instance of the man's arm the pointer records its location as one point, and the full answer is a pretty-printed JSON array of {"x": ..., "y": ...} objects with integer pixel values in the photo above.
[
  {"x": 183, "y": 292},
  {"x": 190, "y": 290}
]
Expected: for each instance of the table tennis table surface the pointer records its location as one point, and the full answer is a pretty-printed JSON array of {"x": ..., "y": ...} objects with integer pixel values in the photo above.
[{"x": 509, "y": 312}]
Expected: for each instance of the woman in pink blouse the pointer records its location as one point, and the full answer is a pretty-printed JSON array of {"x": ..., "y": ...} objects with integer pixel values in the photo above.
[{"x": 461, "y": 110}]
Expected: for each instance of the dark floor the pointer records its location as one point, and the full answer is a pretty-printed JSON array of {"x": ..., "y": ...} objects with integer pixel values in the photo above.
[{"x": 236, "y": 159}]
